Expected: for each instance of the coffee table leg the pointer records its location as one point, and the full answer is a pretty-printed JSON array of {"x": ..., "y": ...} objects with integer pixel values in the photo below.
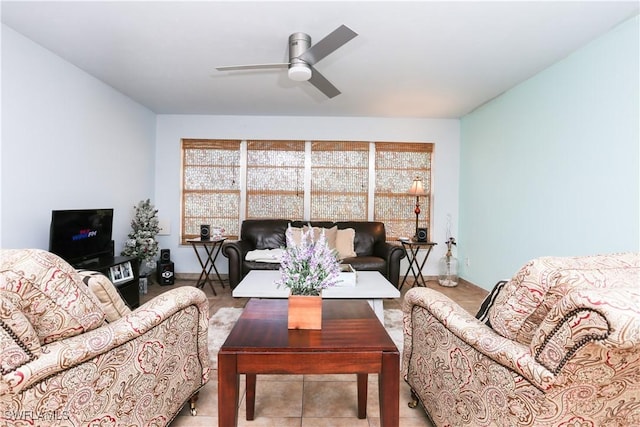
[
  {"x": 228, "y": 390},
  {"x": 362, "y": 395},
  {"x": 389, "y": 390},
  {"x": 251, "y": 396}
]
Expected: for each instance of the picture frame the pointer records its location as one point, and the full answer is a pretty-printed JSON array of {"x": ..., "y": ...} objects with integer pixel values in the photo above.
[{"x": 121, "y": 272}]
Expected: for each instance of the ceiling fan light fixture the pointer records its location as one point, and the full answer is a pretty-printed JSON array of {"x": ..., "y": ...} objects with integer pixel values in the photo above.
[
  {"x": 303, "y": 56},
  {"x": 299, "y": 72}
]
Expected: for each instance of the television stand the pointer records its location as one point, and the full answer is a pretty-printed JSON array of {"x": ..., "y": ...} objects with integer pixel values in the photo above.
[{"x": 108, "y": 265}]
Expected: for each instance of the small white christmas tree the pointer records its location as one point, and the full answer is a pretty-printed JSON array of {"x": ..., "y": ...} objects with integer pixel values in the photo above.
[{"x": 141, "y": 242}]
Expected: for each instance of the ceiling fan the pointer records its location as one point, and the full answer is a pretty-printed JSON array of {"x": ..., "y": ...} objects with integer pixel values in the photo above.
[{"x": 302, "y": 57}]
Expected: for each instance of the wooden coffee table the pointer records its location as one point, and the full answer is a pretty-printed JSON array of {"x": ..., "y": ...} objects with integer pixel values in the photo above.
[{"x": 352, "y": 340}]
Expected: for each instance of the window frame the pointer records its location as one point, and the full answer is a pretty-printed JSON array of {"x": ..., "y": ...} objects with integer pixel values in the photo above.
[{"x": 403, "y": 170}]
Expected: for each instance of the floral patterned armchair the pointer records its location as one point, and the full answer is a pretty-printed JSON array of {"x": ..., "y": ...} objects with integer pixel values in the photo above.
[
  {"x": 71, "y": 353},
  {"x": 560, "y": 347}
]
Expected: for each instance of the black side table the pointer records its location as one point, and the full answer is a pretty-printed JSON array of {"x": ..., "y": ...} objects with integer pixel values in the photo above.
[
  {"x": 411, "y": 248},
  {"x": 212, "y": 249}
]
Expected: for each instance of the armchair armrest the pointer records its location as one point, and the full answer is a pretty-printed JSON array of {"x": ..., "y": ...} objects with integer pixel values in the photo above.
[
  {"x": 481, "y": 338},
  {"x": 609, "y": 317},
  {"x": 235, "y": 251},
  {"x": 392, "y": 254},
  {"x": 65, "y": 354}
]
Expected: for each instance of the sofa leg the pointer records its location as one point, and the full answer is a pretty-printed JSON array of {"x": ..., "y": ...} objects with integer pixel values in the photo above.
[
  {"x": 414, "y": 400},
  {"x": 192, "y": 405}
]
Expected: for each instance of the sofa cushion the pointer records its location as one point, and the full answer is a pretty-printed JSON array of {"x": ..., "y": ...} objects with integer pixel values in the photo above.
[
  {"x": 367, "y": 263},
  {"x": 105, "y": 291},
  {"x": 368, "y": 234},
  {"x": 264, "y": 233},
  {"x": 296, "y": 235},
  {"x": 329, "y": 235},
  {"x": 258, "y": 265},
  {"x": 528, "y": 297},
  {"x": 344, "y": 243},
  {"x": 19, "y": 343},
  {"x": 52, "y": 294}
]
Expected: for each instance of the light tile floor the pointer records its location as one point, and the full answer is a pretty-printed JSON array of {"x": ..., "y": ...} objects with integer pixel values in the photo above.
[{"x": 307, "y": 400}]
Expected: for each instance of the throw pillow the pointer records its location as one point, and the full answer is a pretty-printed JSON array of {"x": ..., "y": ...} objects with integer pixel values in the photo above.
[
  {"x": 111, "y": 302},
  {"x": 52, "y": 295},
  {"x": 19, "y": 342},
  {"x": 540, "y": 284},
  {"x": 329, "y": 234},
  {"x": 296, "y": 235},
  {"x": 344, "y": 243},
  {"x": 483, "y": 312}
]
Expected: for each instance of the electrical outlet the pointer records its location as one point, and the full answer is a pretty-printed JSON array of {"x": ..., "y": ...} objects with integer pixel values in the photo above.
[
  {"x": 165, "y": 227},
  {"x": 467, "y": 262}
]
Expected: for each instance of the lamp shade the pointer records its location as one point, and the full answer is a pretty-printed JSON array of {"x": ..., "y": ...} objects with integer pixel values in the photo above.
[{"x": 417, "y": 189}]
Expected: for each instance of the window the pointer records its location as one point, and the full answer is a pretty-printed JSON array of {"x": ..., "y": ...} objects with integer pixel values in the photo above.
[
  {"x": 339, "y": 181},
  {"x": 226, "y": 181},
  {"x": 210, "y": 185},
  {"x": 275, "y": 179},
  {"x": 396, "y": 165}
]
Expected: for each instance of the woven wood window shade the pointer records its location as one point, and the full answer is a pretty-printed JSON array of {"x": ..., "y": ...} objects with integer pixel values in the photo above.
[
  {"x": 275, "y": 179},
  {"x": 210, "y": 186},
  {"x": 397, "y": 164},
  {"x": 339, "y": 180}
]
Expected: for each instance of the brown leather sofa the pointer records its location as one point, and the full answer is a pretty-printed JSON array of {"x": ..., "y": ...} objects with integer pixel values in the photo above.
[{"x": 373, "y": 251}]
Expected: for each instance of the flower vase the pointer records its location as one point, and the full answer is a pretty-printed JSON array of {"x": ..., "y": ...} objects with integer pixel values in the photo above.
[
  {"x": 304, "y": 312},
  {"x": 448, "y": 267}
]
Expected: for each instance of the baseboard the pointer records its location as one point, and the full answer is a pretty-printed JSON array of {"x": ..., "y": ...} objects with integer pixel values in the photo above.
[
  {"x": 468, "y": 283},
  {"x": 461, "y": 282},
  {"x": 196, "y": 276}
]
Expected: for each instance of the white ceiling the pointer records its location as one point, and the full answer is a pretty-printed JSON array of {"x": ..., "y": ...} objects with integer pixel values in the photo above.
[{"x": 411, "y": 59}]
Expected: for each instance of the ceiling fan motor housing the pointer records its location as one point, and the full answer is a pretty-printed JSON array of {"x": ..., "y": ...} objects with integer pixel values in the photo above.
[{"x": 298, "y": 69}]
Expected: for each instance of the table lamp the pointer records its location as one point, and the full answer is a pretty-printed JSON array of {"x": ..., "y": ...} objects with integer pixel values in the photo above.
[{"x": 417, "y": 190}]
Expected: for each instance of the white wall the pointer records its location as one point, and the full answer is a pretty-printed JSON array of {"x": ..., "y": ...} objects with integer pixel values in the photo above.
[
  {"x": 68, "y": 141},
  {"x": 172, "y": 128},
  {"x": 552, "y": 166}
]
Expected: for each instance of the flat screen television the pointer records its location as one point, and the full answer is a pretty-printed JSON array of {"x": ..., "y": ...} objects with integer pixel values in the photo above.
[{"x": 82, "y": 234}]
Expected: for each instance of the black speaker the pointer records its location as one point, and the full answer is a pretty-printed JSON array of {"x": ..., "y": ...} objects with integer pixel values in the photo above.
[
  {"x": 165, "y": 272},
  {"x": 205, "y": 232},
  {"x": 421, "y": 236},
  {"x": 165, "y": 256}
]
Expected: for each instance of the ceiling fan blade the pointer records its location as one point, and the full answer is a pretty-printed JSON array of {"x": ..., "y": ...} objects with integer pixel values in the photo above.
[
  {"x": 323, "y": 85},
  {"x": 331, "y": 42},
  {"x": 252, "y": 67}
]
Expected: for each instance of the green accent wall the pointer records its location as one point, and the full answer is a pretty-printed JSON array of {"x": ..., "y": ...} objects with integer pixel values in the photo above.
[{"x": 551, "y": 167}]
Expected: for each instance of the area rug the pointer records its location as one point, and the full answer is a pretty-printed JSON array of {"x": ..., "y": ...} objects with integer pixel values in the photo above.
[{"x": 221, "y": 323}]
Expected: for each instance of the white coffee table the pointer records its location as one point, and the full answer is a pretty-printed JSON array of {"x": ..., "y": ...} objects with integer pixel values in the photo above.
[{"x": 370, "y": 286}]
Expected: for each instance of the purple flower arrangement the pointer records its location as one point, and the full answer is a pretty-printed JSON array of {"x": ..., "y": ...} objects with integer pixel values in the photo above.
[{"x": 308, "y": 267}]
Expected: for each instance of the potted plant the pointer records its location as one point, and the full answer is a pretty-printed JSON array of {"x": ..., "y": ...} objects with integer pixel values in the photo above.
[
  {"x": 306, "y": 268},
  {"x": 141, "y": 242}
]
